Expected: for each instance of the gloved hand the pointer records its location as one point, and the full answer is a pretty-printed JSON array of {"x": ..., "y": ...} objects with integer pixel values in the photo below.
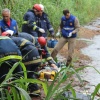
[
  {"x": 58, "y": 33},
  {"x": 10, "y": 32},
  {"x": 41, "y": 30},
  {"x": 70, "y": 34}
]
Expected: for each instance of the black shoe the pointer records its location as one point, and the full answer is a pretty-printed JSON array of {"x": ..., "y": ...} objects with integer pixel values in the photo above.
[{"x": 35, "y": 93}]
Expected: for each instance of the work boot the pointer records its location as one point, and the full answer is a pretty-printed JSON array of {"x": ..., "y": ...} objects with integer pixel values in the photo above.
[
  {"x": 69, "y": 62},
  {"x": 34, "y": 90}
]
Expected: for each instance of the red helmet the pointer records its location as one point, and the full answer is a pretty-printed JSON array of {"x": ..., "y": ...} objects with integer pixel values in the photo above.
[
  {"x": 42, "y": 41},
  {"x": 5, "y": 34},
  {"x": 37, "y": 7}
]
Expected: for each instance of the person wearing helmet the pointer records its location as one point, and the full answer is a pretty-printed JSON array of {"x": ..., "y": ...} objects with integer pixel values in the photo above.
[
  {"x": 29, "y": 23},
  {"x": 44, "y": 23},
  {"x": 45, "y": 53},
  {"x": 40, "y": 44},
  {"x": 9, "y": 55},
  {"x": 30, "y": 38},
  {"x": 7, "y": 23},
  {"x": 31, "y": 59}
]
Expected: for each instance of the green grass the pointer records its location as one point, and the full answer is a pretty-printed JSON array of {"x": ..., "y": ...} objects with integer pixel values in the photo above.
[{"x": 85, "y": 10}]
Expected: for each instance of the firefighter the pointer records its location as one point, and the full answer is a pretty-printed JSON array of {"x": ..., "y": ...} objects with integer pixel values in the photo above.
[
  {"x": 69, "y": 28},
  {"x": 7, "y": 23},
  {"x": 30, "y": 38},
  {"x": 31, "y": 59},
  {"x": 9, "y": 55},
  {"x": 44, "y": 23},
  {"x": 45, "y": 53},
  {"x": 40, "y": 44},
  {"x": 29, "y": 23}
]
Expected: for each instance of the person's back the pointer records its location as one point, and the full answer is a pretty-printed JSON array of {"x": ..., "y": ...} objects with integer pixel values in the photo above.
[
  {"x": 9, "y": 54},
  {"x": 28, "y": 18},
  {"x": 30, "y": 38}
]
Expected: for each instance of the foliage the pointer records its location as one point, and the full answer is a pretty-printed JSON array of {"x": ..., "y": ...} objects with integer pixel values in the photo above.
[
  {"x": 15, "y": 85},
  {"x": 83, "y": 9},
  {"x": 55, "y": 90}
]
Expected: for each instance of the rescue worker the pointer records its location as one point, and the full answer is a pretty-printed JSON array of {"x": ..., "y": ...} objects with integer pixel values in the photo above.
[
  {"x": 7, "y": 23},
  {"x": 31, "y": 59},
  {"x": 29, "y": 23},
  {"x": 40, "y": 44},
  {"x": 44, "y": 23},
  {"x": 45, "y": 53},
  {"x": 30, "y": 38},
  {"x": 9, "y": 55},
  {"x": 69, "y": 27}
]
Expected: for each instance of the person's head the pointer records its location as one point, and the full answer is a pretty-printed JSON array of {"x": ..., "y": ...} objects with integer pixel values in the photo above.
[
  {"x": 36, "y": 8},
  {"x": 42, "y": 41},
  {"x": 66, "y": 13},
  {"x": 42, "y": 9},
  {"x": 6, "y": 14}
]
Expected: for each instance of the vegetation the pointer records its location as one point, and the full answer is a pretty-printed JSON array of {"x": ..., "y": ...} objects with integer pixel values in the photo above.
[
  {"x": 83, "y": 9},
  {"x": 16, "y": 88}
]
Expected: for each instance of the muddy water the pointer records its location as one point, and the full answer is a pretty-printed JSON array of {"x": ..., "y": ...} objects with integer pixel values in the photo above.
[{"x": 93, "y": 51}]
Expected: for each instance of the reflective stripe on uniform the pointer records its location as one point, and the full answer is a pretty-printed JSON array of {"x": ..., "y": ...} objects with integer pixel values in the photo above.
[
  {"x": 4, "y": 37},
  {"x": 34, "y": 27},
  {"x": 24, "y": 22},
  {"x": 10, "y": 57},
  {"x": 51, "y": 29},
  {"x": 32, "y": 62},
  {"x": 68, "y": 28},
  {"x": 33, "y": 40},
  {"x": 49, "y": 58},
  {"x": 23, "y": 43}
]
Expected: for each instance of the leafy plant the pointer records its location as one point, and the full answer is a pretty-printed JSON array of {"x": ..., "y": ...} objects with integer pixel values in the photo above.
[{"x": 16, "y": 88}]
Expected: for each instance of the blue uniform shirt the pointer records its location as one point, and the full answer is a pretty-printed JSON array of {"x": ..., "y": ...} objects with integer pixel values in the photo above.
[{"x": 5, "y": 27}]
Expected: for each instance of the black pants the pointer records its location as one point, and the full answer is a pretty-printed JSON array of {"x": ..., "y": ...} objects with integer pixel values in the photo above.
[
  {"x": 5, "y": 67},
  {"x": 31, "y": 69}
]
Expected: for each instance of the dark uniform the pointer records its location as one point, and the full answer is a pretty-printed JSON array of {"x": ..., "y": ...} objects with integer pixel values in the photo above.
[
  {"x": 44, "y": 51},
  {"x": 44, "y": 23},
  {"x": 30, "y": 38},
  {"x": 29, "y": 23},
  {"x": 31, "y": 58},
  {"x": 9, "y": 54}
]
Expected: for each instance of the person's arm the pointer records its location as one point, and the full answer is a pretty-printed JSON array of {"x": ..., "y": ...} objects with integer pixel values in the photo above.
[{"x": 77, "y": 26}]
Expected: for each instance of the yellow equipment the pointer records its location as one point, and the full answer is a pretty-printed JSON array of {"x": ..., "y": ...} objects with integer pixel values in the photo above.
[{"x": 47, "y": 74}]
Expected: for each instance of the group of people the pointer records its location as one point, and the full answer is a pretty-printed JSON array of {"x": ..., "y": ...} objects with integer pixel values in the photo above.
[{"x": 29, "y": 46}]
